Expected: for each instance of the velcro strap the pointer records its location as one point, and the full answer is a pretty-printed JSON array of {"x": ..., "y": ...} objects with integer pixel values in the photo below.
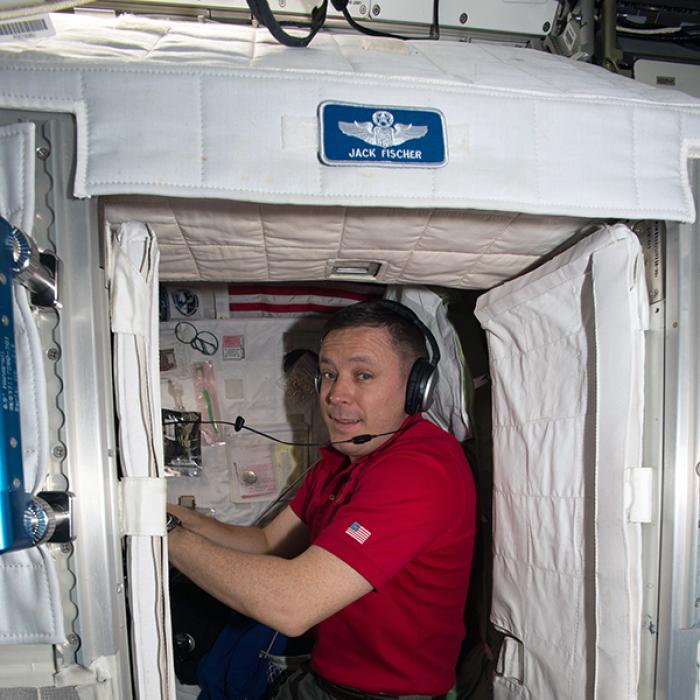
[
  {"x": 640, "y": 482},
  {"x": 142, "y": 502},
  {"x": 510, "y": 660}
]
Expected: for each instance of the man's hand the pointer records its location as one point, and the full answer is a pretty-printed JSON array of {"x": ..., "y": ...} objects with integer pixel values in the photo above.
[{"x": 285, "y": 536}]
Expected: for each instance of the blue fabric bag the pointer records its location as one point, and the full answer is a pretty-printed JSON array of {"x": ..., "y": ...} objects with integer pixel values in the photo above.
[{"x": 237, "y": 666}]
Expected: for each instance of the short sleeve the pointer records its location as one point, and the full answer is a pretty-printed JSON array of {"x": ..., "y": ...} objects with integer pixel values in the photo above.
[
  {"x": 302, "y": 496},
  {"x": 400, "y": 506}
]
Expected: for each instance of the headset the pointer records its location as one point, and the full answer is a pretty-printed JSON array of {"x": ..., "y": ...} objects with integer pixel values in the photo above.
[{"x": 420, "y": 386}]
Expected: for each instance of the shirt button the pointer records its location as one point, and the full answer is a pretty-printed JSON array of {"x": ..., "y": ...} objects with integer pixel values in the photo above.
[{"x": 331, "y": 497}]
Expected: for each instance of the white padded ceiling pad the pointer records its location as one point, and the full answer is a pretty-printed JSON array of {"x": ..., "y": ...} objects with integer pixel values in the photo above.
[
  {"x": 213, "y": 240},
  {"x": 222, "y": 111}
]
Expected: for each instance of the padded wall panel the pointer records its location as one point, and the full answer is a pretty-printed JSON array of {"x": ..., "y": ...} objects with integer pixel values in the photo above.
[{"x": 203, "y": 110}]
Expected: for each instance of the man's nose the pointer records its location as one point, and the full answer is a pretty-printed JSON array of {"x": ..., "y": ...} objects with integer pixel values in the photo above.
[{"x": 339, "y": 391}]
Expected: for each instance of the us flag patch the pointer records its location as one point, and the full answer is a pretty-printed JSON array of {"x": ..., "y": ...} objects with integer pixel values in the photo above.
[{"x": 357, "y": 532}]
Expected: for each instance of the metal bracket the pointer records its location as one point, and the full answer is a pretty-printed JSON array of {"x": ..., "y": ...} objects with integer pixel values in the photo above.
[
  {"x": 47, "y": 517},
  {"x": 36, "y": 270}
]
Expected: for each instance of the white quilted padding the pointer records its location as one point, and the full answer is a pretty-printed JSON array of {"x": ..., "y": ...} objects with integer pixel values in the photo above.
[
  {"x": 209, "y": 110},
  {"x": 212, "y": 240},
  {"x": 566, "y": 350}
]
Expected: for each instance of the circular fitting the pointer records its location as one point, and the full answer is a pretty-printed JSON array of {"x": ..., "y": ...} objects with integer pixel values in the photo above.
[
  {"x": 463, "y": 18},
  {"x": 58, "y": 451},
  {"x": 39, "y": 520},
  {"x": 546, "y": 27},
  {"x": 249, "y": 476},
  {"x": 3, "y": 279},
  {"x": 23, "y": 251},
  {"x": 53, "y": 354},
  {"x": 184, "y": 643},
  {"x": 13, "y": 442},
  {"x": 376, "y": 10},
  {"x": 42, "y": 153},
  {"x": 5, "y": 320},
  {"x": 363, "y": 9}
]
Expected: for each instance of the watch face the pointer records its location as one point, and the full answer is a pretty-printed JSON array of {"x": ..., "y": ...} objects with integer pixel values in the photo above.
[{"x": 171, "y": 522}]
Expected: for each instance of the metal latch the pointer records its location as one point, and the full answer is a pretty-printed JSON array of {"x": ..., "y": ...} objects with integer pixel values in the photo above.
[{"x": 34, "y": 269}]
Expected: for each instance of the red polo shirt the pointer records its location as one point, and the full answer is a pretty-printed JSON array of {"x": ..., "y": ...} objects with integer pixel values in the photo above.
[{"x": 404, "y": 518}]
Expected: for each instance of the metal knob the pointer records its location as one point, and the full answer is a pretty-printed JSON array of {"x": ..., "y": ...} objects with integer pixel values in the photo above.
[{"x": 30, "y": 271}]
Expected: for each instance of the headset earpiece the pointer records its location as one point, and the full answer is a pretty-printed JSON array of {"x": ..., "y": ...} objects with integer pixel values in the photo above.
[
  {"x": 317, "y": 383},
  {"x": 420, "y": 387}
]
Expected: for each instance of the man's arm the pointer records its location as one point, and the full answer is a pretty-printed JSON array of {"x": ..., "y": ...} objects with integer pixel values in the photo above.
[
  {"x": 285, "y": 536},
  {"x": 290, "y": 595}
]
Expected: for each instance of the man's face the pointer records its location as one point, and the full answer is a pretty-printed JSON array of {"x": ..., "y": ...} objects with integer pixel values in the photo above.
[{"x": 363, "y": 387}]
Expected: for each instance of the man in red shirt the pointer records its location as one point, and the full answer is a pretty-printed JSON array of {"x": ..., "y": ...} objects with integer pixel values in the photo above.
[{"x": 376, "y": 548}]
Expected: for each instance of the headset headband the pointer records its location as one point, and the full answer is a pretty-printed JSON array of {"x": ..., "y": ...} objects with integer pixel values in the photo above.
[{"x": 409, "y": 315}]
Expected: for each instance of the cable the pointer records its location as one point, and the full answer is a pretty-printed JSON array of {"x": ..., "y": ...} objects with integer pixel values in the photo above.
[
  {"x": 434, "y": 27},
  {"x": 239, "y": 424},
  {"x": 262, "y": 13}
]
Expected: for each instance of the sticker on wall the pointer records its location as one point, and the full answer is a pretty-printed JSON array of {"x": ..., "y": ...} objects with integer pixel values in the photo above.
[
  {"x": 256, "y": 476},
  {"x": 185, "y": 301},
  {"x": 233, "y": 389},
  {"x": 167, "y": 359},
  {"x": 384, "y": 136},
  {"x": 163, "y": 304},
  {"x": 233, "y": 347}
]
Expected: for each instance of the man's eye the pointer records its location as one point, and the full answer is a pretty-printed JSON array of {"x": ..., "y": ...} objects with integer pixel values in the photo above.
[
  {"x": 330, "y": 376},
  {"x": 364, "y": 376}
]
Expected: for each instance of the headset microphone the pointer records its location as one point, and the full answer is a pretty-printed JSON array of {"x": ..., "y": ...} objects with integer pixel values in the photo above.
[{"x": 239, "y": 424}]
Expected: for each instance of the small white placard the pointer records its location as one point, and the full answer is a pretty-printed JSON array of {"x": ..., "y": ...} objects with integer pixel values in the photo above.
[{"x": 26, "y": 28}]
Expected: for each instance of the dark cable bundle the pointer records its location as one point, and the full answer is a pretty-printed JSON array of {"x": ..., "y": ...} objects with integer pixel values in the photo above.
[{"x": 262, "y": 14}]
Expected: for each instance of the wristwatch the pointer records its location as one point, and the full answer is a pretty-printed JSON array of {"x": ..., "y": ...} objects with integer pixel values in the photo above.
[{"x": 171, "y": 522}]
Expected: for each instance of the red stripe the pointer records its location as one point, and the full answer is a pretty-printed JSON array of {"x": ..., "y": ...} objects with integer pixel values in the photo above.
[
  {"x": 284, "y": 308},
  {"x": 235, "y": 290}
]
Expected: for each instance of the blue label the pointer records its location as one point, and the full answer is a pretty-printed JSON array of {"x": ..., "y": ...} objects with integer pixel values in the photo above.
[
  {"x": 376, "y": 135},
  {"x": 12, "y": 496}
]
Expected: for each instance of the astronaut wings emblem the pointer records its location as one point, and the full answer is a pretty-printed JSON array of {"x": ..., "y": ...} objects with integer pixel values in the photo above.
[{"x": 382, "y": 131}]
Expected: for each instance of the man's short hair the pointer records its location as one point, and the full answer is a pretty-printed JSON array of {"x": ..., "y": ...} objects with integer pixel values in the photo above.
[{"x": 406, "y": 336}]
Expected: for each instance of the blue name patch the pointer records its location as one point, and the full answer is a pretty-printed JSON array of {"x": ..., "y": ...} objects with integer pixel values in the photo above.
[{"x": 386, "y": 136}]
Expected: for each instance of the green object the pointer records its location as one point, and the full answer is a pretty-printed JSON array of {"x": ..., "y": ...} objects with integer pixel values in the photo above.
[{"x": 210, "y": 410}]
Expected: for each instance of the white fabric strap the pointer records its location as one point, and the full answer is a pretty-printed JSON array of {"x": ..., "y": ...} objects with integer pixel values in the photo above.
[
  {"x": 510, "y": 660},
  {"x": 134, "y": 297},
  {"x": 618, "y": 284},
  {"x": 640, "y": 486},
  {"x": 128, "y": 290},
  {"x": 143, "y": 505},
  {"x": 17, "y": 183}
]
